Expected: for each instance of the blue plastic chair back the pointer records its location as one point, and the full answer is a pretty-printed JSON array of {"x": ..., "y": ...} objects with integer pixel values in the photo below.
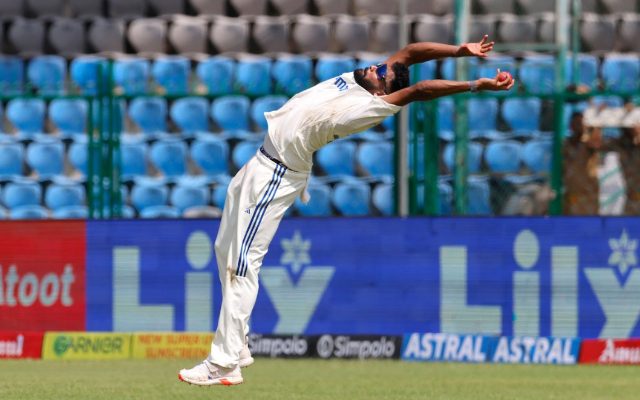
[
  {"x": 149, "y": 113},
  {"x": 211, "y": 154},
  {"x": 483, "y": 113},
  {"x": 59, "y": 196},
  {"x": 183, "y": 197},
  {"x": 29, "y": 212},
  {"x": 21, "y": 193},
  {"x": 217, "y": 73},
  {"x": 84, "y": 73},
  {"x": 319, "y": 204},
  {"x": 71, "y": 212},
  {"x": 172, "y": 74},
  {"x": 78, "y": 156},
  {"x": 537, "y": 74},
  {"x": 68, "y": 115},
  {"x": 219, "y": 194},
  {"x": 448, "y": 68},
  {"x": 445, "y": 115},
  {"x": 337, "y": 158},
  {"x": 11, "y": 159},
  {"x": 11, "y": 75},
  {"x": 474, "y": 156},
  {"x": 328, "y": 67},
  {"x": 478, "y": 196},
  {"x": 621, "y": 74},
  {"x": 425, "y": 71},
  {"x": 191, "y": 114},
  {"x": 537, "y": 154},
  {"x": 144, "y": 195},
  {"x": 351, "y": 198},
  {"x": 47, "y": 74},
  {"x": 383, "y": 198},
  {"x": 263, "y": 105},
  {"x": 133, "y": 158},
  {"x": 46, "y": 157},
  {"x": 503, "y": 156},
  {"x": 376, "y": 158},
  {"x": 522, "y": 113},
  {"x": 244, "y": 151},
  {"x": 169, "y": 156},
  {"x": 27, "y": 115},
  {"x": 587, "y": 70},
  {"x": 132, "y": 75},
  {"x": 155, "y": 212},
  {"x": 292, "y": 74},
  {"x": 231, "y": 112},
  {"x": 253, "y": 76}
]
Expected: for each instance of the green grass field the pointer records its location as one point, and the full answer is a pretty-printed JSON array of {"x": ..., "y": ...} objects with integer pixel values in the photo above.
[{"x": 316, "y": 379}]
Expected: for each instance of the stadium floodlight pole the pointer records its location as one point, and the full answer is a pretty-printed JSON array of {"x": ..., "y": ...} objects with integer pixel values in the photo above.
[
  {"x": 402, "y": 130},
  {"x": 462, "y": 20}
]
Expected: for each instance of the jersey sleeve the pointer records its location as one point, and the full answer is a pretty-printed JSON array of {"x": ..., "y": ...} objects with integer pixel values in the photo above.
[{"x": 359, "y": 113}]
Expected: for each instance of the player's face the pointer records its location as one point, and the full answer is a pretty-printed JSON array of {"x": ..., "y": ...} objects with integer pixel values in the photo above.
[{"x": 377, "y": 78}]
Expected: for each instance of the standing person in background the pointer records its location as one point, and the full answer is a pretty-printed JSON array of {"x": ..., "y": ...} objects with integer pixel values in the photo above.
[
  {"x": 267, "y": 185},
  {"x": 628, "y": 147},
  {"x": 580, "y": 155}
]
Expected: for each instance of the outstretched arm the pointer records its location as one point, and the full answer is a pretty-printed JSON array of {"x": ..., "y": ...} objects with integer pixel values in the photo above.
[
  {"x": 429, "y": 90},
  {"x": 415, "y": 53}
]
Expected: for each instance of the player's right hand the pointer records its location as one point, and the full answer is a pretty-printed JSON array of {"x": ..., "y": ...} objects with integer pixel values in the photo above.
[{"x": 495, "y": 84}]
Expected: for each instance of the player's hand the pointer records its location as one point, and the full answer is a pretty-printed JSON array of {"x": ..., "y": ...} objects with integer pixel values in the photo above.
[
  {"x": 496, "y": 83},
  {"x": 479, "y": 49}
]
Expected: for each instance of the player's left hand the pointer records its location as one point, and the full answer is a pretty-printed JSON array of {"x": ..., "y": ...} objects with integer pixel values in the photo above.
[{"x": 479, "y": 49}]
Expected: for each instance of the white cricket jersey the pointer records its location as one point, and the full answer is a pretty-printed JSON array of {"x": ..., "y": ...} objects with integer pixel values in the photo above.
[{"x": 330, "y": 110}]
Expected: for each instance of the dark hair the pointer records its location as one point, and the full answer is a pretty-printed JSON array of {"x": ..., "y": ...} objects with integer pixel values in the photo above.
[{"x": 401, "y": 79}]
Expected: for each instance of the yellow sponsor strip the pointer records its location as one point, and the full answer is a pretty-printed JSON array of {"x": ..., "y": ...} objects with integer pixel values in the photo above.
[
  {"x": 86, "y": 346},
  {"x": 153, "y": 345}
]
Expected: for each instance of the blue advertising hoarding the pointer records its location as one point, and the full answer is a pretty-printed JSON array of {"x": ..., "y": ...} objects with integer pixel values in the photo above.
[{"x": 560, "y": 277}]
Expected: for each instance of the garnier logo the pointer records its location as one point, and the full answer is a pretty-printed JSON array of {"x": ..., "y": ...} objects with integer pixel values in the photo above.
[{"x": 61, "y": 345}]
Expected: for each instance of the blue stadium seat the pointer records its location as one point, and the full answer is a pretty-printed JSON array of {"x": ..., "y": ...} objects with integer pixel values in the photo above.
[
  {"x": 537, "y": 74},
  {"x": 26, "y": 115},
  {"x": 376, "y": 158},
  {"x": 46, "y": 157},
  {"x": 588, "y": 66},
  {"x": 149, "y": 114},
  {"x": 132, "y": 75},
  {"x": 11, "y": 75},
  {"x": 231, "y": 112},
  {"x": 621, "y": 73},
  {"x": 116, "y": 117},
  {"x": 133, "y": 158},
  {"x": 351, "y": 198},
  {"x": 337, "y": 158},
  {"x": 537, "y": 155},
  {"x": 609, "y": 101},
  {"x": 243, "y": 152},
  {"x": 503, "y": 156},
  {"x": 332, "y": 65},
  {"x": 169, "y": 156},
  {"x": 445, "y": 120},
  {"x": 21, "y": 192},
  {"x": 60, "y": 195},
  {"x": 71, "y": 212},
  {"x": 445, "y": 198},
  {"x": 29, "y": 212},
  {"x": 478, "y": 196},
  {"x": 148, "y": 192},
  {"x": 217, "y": 74},
  {"x": 11, "y": 159},
  {"x": 4, "y": 214},
  {"x": 474, "y": 156},
  {"x": 383, "y": 198},
  {"x": 253, "y": 76},
  {"x": 211, "y": 154},
  {"x": 219, "y": 194},
  {"x": 172, "y": 74},
  {"x": 425, "y": 71},
  {"x": 160, "y": 212},
  {"x": 483, "y": 113},
  {"x": 68, "y": 115},
  {"x": 522, "y": 114},
  {"x": 292, "y": 73},
  {"x": 448, "y": 69},
  {"x": 77, "y": 154},
  {"x": 265, "y": 104},
  {"x": 319, "y": 204},
  {"x": 47, "y": 74},
  {"x": 84, "y": 72},
  {"x": 184, "y": 196},
  {"x": 191, "y": 114}
]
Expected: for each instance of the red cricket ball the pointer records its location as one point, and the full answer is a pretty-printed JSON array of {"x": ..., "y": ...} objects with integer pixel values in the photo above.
[{"x": 503, "y": 76}]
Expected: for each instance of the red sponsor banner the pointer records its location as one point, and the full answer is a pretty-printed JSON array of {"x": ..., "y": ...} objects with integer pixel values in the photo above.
[
  {"x": 610, "y": 351},
  {"x": 42, "y": 275},
  {"x": 21, "y": 344}
]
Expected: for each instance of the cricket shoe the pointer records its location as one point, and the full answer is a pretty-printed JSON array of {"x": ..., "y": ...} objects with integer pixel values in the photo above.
[
  {"x": 245, "y": 356},
  {"x": 208, "y": 374}
]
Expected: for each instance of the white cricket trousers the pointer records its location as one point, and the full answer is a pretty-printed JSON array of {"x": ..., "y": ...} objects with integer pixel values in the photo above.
[{"x": 257, "y": 199}]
